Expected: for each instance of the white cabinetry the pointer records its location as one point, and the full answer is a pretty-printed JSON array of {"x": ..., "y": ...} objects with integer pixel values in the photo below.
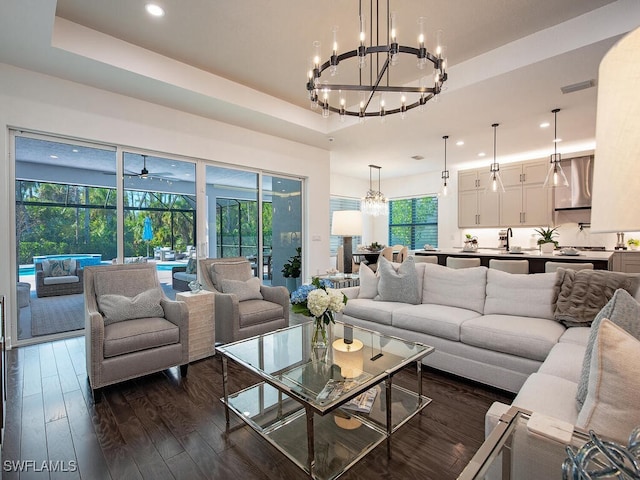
[
  {"x": 628, "y": 262},
  {"x": 476, "y": 206},
  {"x": 525, "y": 202}
]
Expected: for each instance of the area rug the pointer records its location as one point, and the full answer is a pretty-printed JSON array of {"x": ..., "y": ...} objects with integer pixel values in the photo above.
[{"x": 62, "y": 313}]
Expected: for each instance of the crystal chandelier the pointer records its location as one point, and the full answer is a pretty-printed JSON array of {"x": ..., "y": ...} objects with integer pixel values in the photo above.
[
  {"x": 375, "y": 62},
  {"x": 495, "y": 182},
  {"x": 374, "y": 202},
  {"x": 555, "y": 175}
]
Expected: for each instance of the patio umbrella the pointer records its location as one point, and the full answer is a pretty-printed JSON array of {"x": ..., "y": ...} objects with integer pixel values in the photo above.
[{"x": 147, "y": 232}]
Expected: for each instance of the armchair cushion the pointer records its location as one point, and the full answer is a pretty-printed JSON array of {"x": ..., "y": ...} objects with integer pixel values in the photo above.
[
  {"x": 59, "y": 268},
  {"x": 117, "y": 308},
  {"x": 140, "y": 334},
  {"x": 192, "y": 267},
  {"x": 254, "y": 312},
  {"x": 249, "y": 290}
]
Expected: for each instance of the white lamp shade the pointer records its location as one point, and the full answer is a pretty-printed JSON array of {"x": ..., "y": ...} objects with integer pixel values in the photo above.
[
  {"x": 347, "y": 223},
  {"x": 349, "y": 357},
  {"x": 616, "y": 177}
]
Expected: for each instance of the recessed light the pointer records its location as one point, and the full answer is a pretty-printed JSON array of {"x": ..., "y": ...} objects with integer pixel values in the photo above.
[
  {"x": 557, "y": 140},
  {"x": 544, "y": 125},
  {"x": 460, "y": 143},
  {"x": 482, "y": 154},
  {"x": 155, "y": 10},
  {"x": 53, "y": 156}
]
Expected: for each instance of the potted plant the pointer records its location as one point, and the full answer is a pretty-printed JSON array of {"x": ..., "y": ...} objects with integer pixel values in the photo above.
[
  {"x": 470, "y": 243},
  {"x": 546, "y": 241},
  {"x": 292, "y": 270},
  {"x": 633, "y": 243},
  {"x": 375, "y": 247}
]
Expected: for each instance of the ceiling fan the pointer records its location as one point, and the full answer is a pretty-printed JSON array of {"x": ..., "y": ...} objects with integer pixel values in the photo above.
[{"x": 145, "y": 174}]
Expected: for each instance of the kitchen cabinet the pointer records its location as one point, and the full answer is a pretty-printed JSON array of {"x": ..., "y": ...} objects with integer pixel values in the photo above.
[
  {"x": 525, "y": 202},
  {"x": 477, "y": 206},
  {"x": 628, "y": 262}
]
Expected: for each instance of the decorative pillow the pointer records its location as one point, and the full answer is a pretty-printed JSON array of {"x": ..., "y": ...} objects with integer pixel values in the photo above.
[
  {"x": 116, "y": 308},
  {"x": 398, "y": 286},
  {"x": 522, "y": 295},
  {"x": 612, "y": 406},
  {"x": 462, "y": 288},
  {"x": 192, "y": 267},
  {"x": 624, "y": 311},
  {"x": 244, "y": 290},
  {"x": 368, "y": 282},
  {"x": 581, "y": 294},
  {"x": 59, "y": 268}
]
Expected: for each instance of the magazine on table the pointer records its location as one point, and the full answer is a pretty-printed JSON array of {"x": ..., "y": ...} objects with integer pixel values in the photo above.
[
  {"x": 335, "y": 388},
  {"x": 363, "y": 402}
]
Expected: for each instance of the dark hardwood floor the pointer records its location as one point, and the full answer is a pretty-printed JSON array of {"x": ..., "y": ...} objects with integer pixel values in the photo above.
[{"x": 162, "y": 426}]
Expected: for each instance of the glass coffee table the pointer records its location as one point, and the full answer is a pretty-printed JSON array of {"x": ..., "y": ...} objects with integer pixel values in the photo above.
[{"x": 325, "y": 409}]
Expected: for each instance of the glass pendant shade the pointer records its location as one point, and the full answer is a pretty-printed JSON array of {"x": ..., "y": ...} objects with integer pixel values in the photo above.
[
  {"x": 495, "y": 182},
  {"x": 555, "y": 175},
  {"x": 374, "y": 203}
]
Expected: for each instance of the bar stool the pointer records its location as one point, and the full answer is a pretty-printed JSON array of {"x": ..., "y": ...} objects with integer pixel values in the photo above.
[
  {"x": 510, "y": 266},
  {"x": 456, "y": 262},
  {"x": 425, "y": 259},
  {"x": 550, "y": 267}
]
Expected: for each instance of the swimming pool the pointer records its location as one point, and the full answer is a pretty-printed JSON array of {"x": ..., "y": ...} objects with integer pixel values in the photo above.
[{"x": 26, "y": 270}]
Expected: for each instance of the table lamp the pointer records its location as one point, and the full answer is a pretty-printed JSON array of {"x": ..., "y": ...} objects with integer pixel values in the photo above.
[
  {"x": 349, "y": 356},
  {"x": 616, "y": 176},
  {"x": 347, "y": 223}
]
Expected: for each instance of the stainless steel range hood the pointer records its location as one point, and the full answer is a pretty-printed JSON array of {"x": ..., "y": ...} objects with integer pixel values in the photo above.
[{"x": 577, "y": 195}]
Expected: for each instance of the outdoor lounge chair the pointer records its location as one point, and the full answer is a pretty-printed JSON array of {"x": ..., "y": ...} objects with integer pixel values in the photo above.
[{"x": 58, "y": 277}]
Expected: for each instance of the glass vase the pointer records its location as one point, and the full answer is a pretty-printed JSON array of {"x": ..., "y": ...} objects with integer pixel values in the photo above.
[{"x": 320, "y": 337}]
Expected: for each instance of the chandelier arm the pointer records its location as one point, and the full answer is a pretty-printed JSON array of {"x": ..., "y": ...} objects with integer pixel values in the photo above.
[{"x": 377, "y": 112}]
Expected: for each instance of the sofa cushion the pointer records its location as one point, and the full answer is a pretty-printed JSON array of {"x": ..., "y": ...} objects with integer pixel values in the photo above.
[
  {"x": 60, "y": 280},
  {"x": 124, "y": 282},
  {"x": 462, "y": 288},
  {"x": 624, "y": 311},
  {"x": 249, "y": 290},
  {"x": 116, "y": 308},
  {"x": 141, "y": 334},
  {"x": 238, "y": 270},
  {"x": 564, "y": 360},
  {"x": 372, "y": 310},
  {"x": 522, "y": 295},
  {"x": 612, "y": 406},
  {"x": 439, "y": 320},
  {"x": 549, "y": 395},
  {"x": 254, "y": 312},
  {"x": 398, "y": 285},
  {"x": 192, "y": 267},
  {"x": 522, "y": 336},
  {"x": 582, "y": 294},
  {"x": 577, "y": 335},
  {"x": 368, "y": 282},
  {"x": 59, "y": 268},
  {"x": 185, "y": 277}
]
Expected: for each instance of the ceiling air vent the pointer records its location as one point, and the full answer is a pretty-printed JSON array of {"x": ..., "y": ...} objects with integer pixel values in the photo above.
[
  {"x": 578, "y": 86},
  {"x": 417, "y": 157}
]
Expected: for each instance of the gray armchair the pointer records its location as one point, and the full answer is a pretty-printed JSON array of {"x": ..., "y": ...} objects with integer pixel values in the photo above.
[
  {"x": 131, "y": 328},
  {"x": 244, "y": 312}
]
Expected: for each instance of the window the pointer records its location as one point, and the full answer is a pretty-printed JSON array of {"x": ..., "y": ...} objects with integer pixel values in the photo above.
[
  {"x": 413, "y": 222},
  {"x": 339, "y": 204}
]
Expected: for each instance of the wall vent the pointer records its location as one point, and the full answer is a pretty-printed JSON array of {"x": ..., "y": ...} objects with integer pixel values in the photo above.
[{"x": 575, "y": 87}]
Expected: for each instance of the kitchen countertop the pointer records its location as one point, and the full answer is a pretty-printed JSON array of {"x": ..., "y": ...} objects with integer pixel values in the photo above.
[{"x": 489, "y": 252}]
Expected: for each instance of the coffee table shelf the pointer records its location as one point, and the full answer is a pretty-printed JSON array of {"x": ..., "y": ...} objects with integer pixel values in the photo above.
[{"x": 323, "y": 437}]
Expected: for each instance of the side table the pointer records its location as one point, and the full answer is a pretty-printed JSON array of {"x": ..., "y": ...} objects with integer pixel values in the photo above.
[{"x": 201, "y": 324}]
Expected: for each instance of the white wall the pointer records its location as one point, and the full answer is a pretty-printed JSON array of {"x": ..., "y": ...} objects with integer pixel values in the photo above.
[{"x": 32, "y": 101}]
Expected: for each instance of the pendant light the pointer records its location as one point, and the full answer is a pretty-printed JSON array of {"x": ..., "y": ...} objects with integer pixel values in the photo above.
[
  {"x": 495, "y": 182},
  {"x": 445, "y": 172},
  {"x": 555, "y": 175},
  {"x": 374, "y": 203}
]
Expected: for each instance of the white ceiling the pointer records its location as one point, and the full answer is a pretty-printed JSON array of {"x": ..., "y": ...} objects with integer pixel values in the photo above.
[{"x": 245, "y": 63}]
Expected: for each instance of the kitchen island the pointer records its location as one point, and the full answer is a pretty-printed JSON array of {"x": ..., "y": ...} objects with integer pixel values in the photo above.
[{"x": 600, "y": 259}]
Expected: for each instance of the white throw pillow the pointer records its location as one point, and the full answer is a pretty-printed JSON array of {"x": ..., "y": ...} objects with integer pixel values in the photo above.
[
  {"x": 523, "y": 295},
  {"x": 248, "y": 290},
  {"x": 117, "y": 308},
  {"x": 455, "y": 287},
  {"x": 612, "y": 406},
  {"x": 368, "y": 282}
]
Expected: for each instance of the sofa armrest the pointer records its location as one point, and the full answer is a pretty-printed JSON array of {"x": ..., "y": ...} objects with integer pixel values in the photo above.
[
  {"x": 181, "y": 268},
  {"x": 226, "y": 316},
  {"x": 279, "y": 295},
  {"x": 177, "y": 313}
]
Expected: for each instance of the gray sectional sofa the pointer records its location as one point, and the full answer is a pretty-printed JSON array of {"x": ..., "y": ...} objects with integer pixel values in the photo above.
[{"x": 489, "y": 326}]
